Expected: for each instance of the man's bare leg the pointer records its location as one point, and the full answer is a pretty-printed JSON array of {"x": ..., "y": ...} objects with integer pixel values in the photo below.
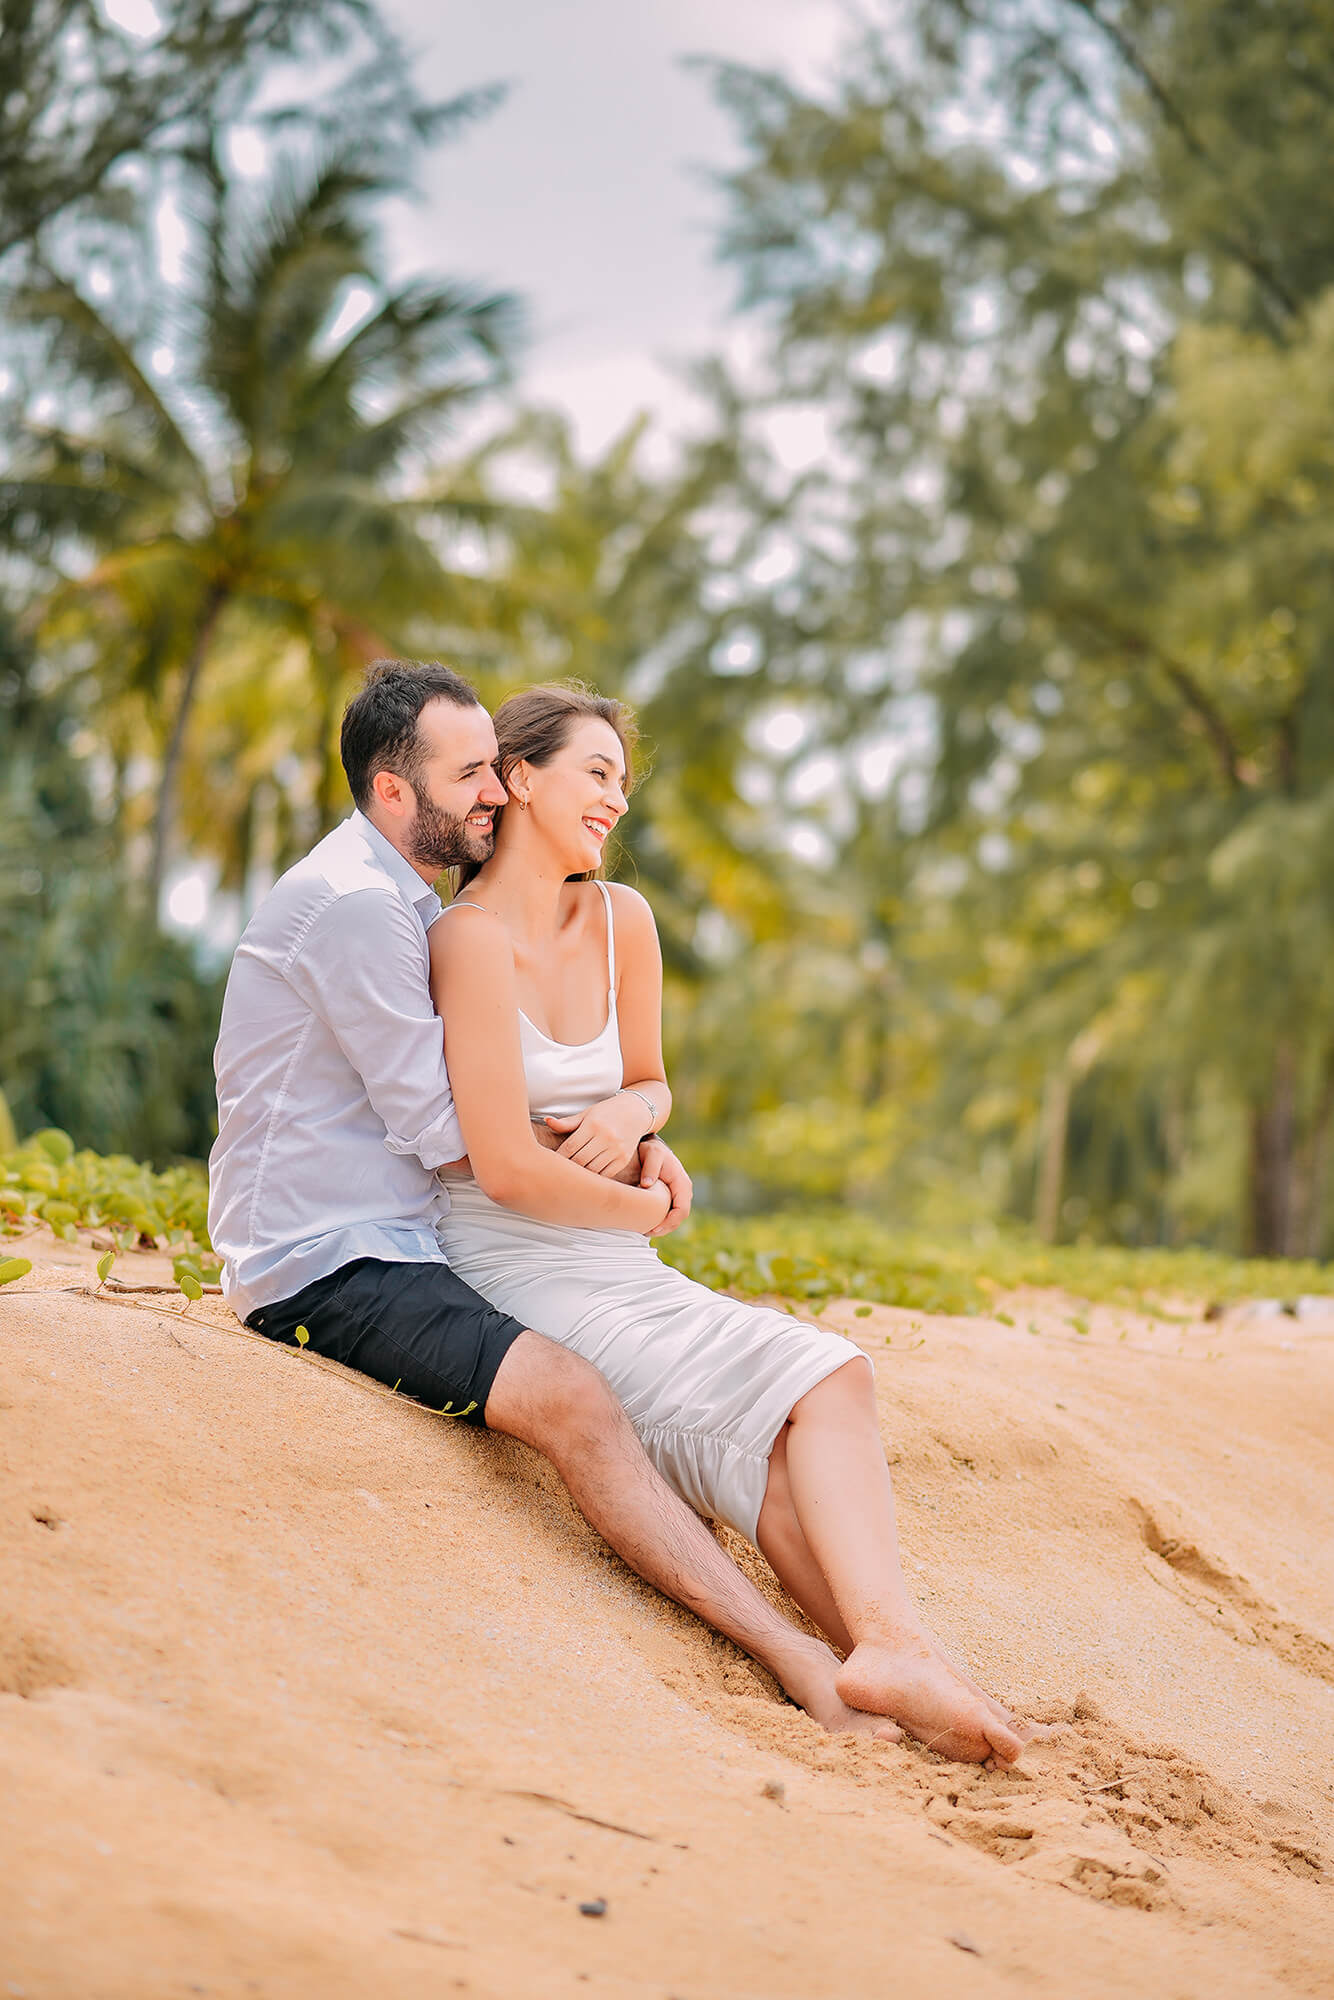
[
  {"x": 558, "y": 1403},
  {"x": 834, "y": 1474}
]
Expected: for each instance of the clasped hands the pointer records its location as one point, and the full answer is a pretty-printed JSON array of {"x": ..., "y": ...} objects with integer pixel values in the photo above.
[{"x": 606, "y": 1139}]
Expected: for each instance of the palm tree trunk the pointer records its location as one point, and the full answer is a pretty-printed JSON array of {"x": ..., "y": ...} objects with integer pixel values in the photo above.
[
  {"x": 1054, "y": 1126},
  {"x": 1051, "y": 1158},
  {"x": 1272, "y": 1160},
  {"x": 165, "y": 816},
  {"x": 1317, "y": 1183},
  {"x": 330, "y": 793}
]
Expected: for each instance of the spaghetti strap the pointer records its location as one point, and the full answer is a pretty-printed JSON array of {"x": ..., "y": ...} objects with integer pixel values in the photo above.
[
  {"x": 611, "y": 943},
  {"x": 460, "y": 903}
]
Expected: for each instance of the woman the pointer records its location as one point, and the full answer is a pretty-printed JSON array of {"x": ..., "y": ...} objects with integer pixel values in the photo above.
[{"x": 550, "y": 983}]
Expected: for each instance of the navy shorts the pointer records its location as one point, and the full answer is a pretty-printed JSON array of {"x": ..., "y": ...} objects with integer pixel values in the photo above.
[{"x": 415, "y": 1327}]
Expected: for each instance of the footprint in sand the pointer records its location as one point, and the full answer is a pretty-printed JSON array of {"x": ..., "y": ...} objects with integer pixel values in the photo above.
[{"x": 1225, "y": 1599}]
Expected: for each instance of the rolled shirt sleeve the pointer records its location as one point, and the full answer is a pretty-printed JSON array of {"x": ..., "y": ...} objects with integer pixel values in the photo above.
[{"x": 363, "y": 968}]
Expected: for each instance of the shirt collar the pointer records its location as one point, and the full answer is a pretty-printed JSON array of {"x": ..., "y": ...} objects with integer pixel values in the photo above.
[{"x": 398, "y": 868}]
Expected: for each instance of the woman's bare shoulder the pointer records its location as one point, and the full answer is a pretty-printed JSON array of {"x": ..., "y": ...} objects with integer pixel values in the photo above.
[
  {"x": 467, "y": 927},
  {"x": 583, "y": 904},
  {"x": 631, "y": 908}
]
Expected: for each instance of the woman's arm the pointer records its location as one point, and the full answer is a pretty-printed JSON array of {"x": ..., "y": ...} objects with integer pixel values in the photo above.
[
  {"x": 605, "y": 1138},
  {"x": 472, "y": 985}
]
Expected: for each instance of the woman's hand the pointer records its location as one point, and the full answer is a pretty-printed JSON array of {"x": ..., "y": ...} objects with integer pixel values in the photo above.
[
  {"x": 605, "y": 1138},
  {"x": 659, "y": 1166}
]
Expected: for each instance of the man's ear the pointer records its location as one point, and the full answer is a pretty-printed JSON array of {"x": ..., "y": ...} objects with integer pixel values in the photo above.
[{"x": 392, "y": 794}]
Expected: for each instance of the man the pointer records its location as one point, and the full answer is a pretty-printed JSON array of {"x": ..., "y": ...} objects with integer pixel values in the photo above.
[{"x": 335, "y": 1112}]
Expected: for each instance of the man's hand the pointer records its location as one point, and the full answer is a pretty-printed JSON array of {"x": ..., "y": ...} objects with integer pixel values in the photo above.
[
  {"x": 657, "y": 1162},
  {"x": 654, "y": 1162}
]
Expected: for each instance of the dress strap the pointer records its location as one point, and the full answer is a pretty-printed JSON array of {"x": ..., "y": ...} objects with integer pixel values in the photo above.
[
  {"x": 460, "y": 903},
  {"x": 611, "y": 940}
]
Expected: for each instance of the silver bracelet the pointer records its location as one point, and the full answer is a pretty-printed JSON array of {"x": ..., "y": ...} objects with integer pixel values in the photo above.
[{"x": 628, "y": 1090}]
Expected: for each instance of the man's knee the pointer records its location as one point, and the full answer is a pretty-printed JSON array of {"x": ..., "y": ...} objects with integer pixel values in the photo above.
[{"x": 547, "y": 1396}]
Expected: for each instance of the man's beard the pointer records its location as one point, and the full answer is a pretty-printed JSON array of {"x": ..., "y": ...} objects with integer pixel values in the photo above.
[{"x": 441, "y": 840}]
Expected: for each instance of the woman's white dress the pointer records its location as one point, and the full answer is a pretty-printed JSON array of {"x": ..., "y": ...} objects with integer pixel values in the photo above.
[{"x": 707, "y": 1381}]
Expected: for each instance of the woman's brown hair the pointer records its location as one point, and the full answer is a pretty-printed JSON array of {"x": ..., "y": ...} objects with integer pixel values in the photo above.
[{"x": 533, "y": 725}]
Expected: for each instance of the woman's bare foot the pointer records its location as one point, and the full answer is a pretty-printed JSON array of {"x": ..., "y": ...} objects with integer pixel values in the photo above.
[
  {"x": 809, "y": 1677},
  {"x": 1027, "y": 1732},
  {"x": 913, "y": 1683}
]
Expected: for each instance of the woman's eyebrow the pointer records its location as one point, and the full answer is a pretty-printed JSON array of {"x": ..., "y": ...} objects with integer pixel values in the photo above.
[{"x": 598, "y": 758}]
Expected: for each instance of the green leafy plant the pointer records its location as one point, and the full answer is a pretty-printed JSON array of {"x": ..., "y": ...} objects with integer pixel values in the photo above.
[
  {"x": 817, "y": 1257},
  {"x": 809, "y": 1259},
  {"x": 47, "y": 1180}
]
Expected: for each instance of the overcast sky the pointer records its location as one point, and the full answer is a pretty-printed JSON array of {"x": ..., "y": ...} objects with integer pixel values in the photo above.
[{"x": 584, "y": 191}]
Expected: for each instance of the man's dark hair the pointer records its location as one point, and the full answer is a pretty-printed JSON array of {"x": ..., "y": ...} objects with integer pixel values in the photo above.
[{"x": 380, "y": 723}]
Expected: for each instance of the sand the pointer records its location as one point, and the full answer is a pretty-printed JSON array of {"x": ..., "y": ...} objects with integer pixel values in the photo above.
[{"x": 306, "y": 1692}]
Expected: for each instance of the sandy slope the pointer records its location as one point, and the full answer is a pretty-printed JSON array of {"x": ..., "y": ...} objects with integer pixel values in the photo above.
[{"x": 305, "y": 1692}]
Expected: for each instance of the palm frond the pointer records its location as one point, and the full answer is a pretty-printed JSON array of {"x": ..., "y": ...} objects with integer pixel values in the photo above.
[
  {"x": 89, "y": 351},
  {"x": 423, "y": 327},
  {"x": 371, "y": 99},
  {"x": 297, "y": 208},
  {"x": 41, "y": 509},
  {"x": 288, "y": 259},
  {"x": 377, "y": 449}
]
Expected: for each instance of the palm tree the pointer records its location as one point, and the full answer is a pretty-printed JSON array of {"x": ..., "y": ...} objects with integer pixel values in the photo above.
[
  {"x": 240, "y": 471},
  {"x": 612, "y": 580}
]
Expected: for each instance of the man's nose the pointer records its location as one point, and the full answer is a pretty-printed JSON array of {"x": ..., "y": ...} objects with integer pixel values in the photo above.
[{"x": 493, "y": 793}]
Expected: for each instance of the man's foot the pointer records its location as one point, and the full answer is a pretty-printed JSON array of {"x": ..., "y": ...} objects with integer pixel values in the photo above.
[
  {"x": 809, "y": 1679},
  {"x": 919, "y": 1688}
]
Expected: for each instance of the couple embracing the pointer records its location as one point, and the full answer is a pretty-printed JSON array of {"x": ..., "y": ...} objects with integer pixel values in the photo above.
[{"x": 479, "y": 1236}]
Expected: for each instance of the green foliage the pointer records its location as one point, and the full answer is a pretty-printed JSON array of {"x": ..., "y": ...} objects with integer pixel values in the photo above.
[
  {"x": 106, "y": 1027},
  {"x": 254, "y": 549},
  {"x": 813, "y": 1258},
  {"x": 620, "y": 578},
  {"x": 13, "y": 1267},
  {"x": 48, "y": 1180},
  {"x": 151, "y": 99},
  {"x": 192, "y": 1264},
  {"x": 808, "y": 1259},
  {"x": 1060, "y": 283},
  {"x": 993, "y": 752}
]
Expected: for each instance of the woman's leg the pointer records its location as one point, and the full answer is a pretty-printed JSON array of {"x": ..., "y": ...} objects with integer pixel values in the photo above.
[
  {"x": 788, "y": 1553},
  {"x": 842, "y": 1566}
]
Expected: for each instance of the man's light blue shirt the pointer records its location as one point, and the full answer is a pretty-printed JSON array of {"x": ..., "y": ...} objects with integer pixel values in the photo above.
[{"x": 334, "y": 1105}]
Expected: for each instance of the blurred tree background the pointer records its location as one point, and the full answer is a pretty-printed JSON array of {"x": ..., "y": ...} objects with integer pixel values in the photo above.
[{"x": 993, "y": 752}]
